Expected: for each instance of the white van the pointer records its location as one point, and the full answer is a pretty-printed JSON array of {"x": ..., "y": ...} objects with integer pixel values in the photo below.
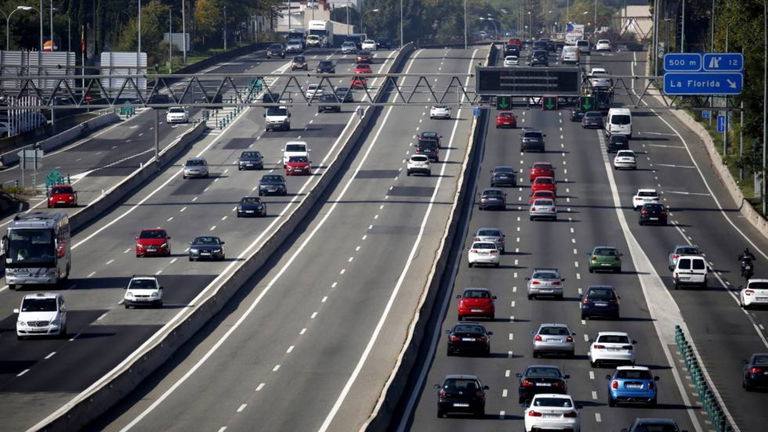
[
  {"x": 619, "y": 122},
  {"x": 690, "y": 270},
  {"x": 570, "y": 55},
  {"x": 583, "y": 46}
]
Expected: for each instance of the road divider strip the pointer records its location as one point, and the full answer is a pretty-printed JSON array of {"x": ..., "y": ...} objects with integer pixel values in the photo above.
[{"x": 126, "y": 376}]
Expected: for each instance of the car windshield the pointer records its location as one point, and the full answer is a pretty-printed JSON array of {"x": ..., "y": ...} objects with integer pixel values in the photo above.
[
  {"x": 555, "y": 331},
  {"x": 271, "y": 179},
  {"x": 461, "y": 384},
  {"x": 300, "y": 159},
  {"x": 557, "y": 402},
  {"x": 600, "y": 294},
  {"x": 142, "y": 284},
  {"x": 489, "y": 233},
  {"x": 620, "y": 119},
  {"x": 277, "y": 111},
  {"x": 251, "y": 200},
  {"x": 484, "y": 245},
  {"x": 152, "y": 234},
  {"x": 476, "y": 294},
  {"x": 299, "y": 59},
  {"x": 545, "y": 275},
  {"x": 206, "y": 240},
  {"x": 39, "y": 305},
  {"x": 195, "y": 162},
  {"x": 250, "y": 155},
  {"x": 606, "y": 252},
  {"x": 613, "y": 339},
  {"x": 468, "y": 328},
  {"x": 542, "y": 372},
  {"x": 634, "y": 374},
  {"x": 176, "y": 110},
  {"x": 62, "y": 190},
  {"x": 295, "y": 148}
]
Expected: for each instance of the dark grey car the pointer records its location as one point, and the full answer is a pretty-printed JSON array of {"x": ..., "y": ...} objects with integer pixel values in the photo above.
[
  {"x": 328, "y": 103},
  {"x": 503, "y": 176},
  {"x": 250, "y": 159},
  {"x": 532, "y": 140},
  {"x": 592, "y": 119},
  {"x": 276, "y": 50},
  {"x": 326, "y": 66},
  {"x": 251, "y": 206},
  {"x": 206, "y": 247},
  {"x": 272, "y": 184}
]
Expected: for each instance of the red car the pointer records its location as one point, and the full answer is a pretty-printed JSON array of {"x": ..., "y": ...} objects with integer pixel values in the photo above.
[
  {"x": 62, "y": 196},
  {"x": 540, "y": 169},
  {"x": 506, "y": 119},
  {"x": 153, "y": 241},
  {"x": 544, "y": 183},
  {"x": 363, "y": 69},
  {"x": 476, "y": 302},
  {"x": 298, "y": 165},
  {"x": 359, "y": 82},
  {"x": 517, "y": 42},
  {"x": 547, "y": 194}
]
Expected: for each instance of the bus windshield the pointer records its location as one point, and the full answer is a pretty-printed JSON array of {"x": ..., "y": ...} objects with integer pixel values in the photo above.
[{"x": 30, "y": 248}]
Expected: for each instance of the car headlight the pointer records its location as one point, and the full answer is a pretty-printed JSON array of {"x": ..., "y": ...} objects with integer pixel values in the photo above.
[
  {"x": 239, "y": 208},
  {"x": 154, "y": 294},
  {"x": 55, "y": 322},
  {"x": 22, "y": 323},
  {"x": 164, "y": 245},
  {"x": 139, "y": 245},
  {"x": 217, "y": 250},
  {"x": 194, "y": 250},
  {"x": 128, "y": 295}
]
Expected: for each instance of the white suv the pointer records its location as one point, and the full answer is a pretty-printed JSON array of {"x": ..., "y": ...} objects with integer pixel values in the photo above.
[
  {"x": 41, "y": 314},
  {"x": 295, "y": 148},
  {"x": 418, "y": 163},
  {"x": 612, "y": 347},
  {"x": 645, "y": 196},
  {"x": 754, "y": 294},
  {"x": 143, "y": 291}
]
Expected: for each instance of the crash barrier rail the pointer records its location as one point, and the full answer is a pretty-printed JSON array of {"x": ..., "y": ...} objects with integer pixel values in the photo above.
[
  {"x": 119, "y": 382},
  {"x": 709, "y": 402}
]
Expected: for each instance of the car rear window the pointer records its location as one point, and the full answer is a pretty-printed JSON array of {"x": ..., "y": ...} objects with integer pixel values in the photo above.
[
  {"x": 543, "y": 180},
  {"x": 295, "y": 148},
  {"x": 646, "y": 194},
  {"x": 698, "y": 264},
  {"x": 464, "y": 328},
  {"x": 688, "y": 251},
  {"x": 532, "y": 134},
  {"x": 62, "y": 190},
  {"x": 758, "y": 285},
  {"x": 461, "y": 384},
  {"x": 545, "y": 275},
  {"x": 493, "y": 192},
  {"x": 541, "y": 165},
  {"x": 484, "y": 245},
  {"x": 543, "y": 202},
  {"x": 476, "y": 294},
  {"x": 760, "y": 360},
  {"x": 555, "y": 331},
  {"x": 634, "y": 374},
  {"x": 613, "y": 339},
  {"x": 552, "y": 402},
  {"x": 489, "y": 233},
  {"x": 543, "y": 372},
  {"x": 684, "y": 264},
  {"x": 606, "y": 251},
  {"x": 601, "y": 294}
]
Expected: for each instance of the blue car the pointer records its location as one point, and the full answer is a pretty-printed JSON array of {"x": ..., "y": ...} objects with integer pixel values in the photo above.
[
  {"x": 600, "y": 301},
  {"x": 632, "y": 384}
]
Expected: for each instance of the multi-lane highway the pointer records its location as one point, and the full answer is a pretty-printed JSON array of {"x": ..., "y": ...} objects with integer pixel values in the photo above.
[
  {"x": 48, "y": 373},
  {"x": 320, "y": 331}
]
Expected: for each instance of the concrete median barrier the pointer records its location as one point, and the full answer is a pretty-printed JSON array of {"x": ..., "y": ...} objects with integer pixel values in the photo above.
[{"x": 127, "y": 375}]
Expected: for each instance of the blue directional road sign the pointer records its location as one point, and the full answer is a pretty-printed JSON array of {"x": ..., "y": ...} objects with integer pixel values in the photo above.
[
  {"x": 722, "y": 123},
  {"x": 703, "y": 83},
  {"x": 705, "y": 114},
  {"x": 682, "y": 62},
  {"x": 475, "y": 111},
  {"x": 723, "y": 62}
]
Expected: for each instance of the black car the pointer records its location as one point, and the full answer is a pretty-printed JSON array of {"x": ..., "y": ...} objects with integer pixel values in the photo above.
[
  {"x": 576, "y": 115},
  {"x": 615, "y": 143},
  {"x": 540, "y": 379},
  {"x": 493, "y": 199},
  {"x": 532, "y": 140},
  {"x": 468, "y": 338},
  {"x": 328, "y": 103},
  {"x": 344, "y": 94},
  {"x": 461, "y": 394},
  {"x": 512, "y": 49},
  {"x": 251, "y": 206},
  {"x": 539, "y": 58},
  {"x": 272, "y": 184},
  {"x": 276, "y": 50},
  {"x": 503, "y": 176},
  {"x": 541, "y": 45},
  {"x": 653, "y": 425},
  {"x": 755, "y": 372},
  {"x": 592, "y": 119},
  {"x": 299, "y": 62},
  {"x": 428, "y": 148},
  {"x": 326, "y": 66},
  {"x": 431, "y": 135},
  {"x": 206, "y": 247},
  {"x": 250, "y": 159},
  {"x": 653, "y": 213},
  {"x": 383, "y": 43},
  {"x": 600, "y": 301}
]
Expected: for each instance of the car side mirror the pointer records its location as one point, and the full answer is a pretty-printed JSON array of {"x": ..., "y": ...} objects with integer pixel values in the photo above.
[
  {"x": 579, "y": 405},
  {"x": 493, "y": 297},
  {"x": 458, "y": 296},
  {"x": 562, "y": 280},
  {"x": 161, "y": 287},
  {"x": 655, "y": 378},
  {"x": 223, "y": 242},
  {"x": 16, "y": 311},
  {"x": 264, "y": 115},
  {"x": 289, "y": 115},
  {"x": 436, "y": 386},
  {"x": 135, "y": 237},
  {"x": 634, "y": 342},
  {"x": 490, "y": 333},
  {"x": 486, "y": 388},
  {"x": 608, "y": 377},
  {"x": 566, "y": 376},
  {"x": 63, "y": 309},
  {"x": 518, "y": 375},
  {"x": 447, "y": 332},
  {"x": 527, "y": 278},
  {"x": 168, "y": 238}
]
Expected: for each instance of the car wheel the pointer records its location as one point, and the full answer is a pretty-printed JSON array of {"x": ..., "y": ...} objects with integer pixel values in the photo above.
[
  {"x": 641, "y": 223},
  {"x": 408, "y": 173},
  {"x": 593, "y": 364},
  {"x": 654, "y": 402},
  {"x": 183, "y": 176},
  {"x": 190, "y": 259},
  {"x": 448, "y": 352},
  {"x": 611, "y": 402},
  {"x": 487, "y": 352},
  {"x": 676, "y": 284},
  {"x": 591, "y": 270},
  {"x": 497, "y": 265},
  {"x": 747, "y": 387},
  {"x": 583, "y": 317},
  {"x": 536, "y": 354},
  {"x": 429, "y": 173},
  {"x": 127, "y": 307},
  {"x": 441, "y": 414},
  {"x": 480, "y": 413},
  {"x": 469, "y": 264},
  {"x": 531, "y": 297},
  {"x": 560, "y": 297},
  {"x": 11, "y": 287},
  {"x": 461, "y": 317}
]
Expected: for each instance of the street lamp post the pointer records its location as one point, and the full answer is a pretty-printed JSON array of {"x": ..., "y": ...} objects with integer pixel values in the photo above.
[
  {"x": 138, "y": 49},
  {"x": 8, "y": 23},
  {"x": 594, "y": 30},
  {"x": 401, "y": 23},
  {"x": 170, "y": 42},
  {"x": 362, "y": 27},
  {"x": 225, "y": 27},
  {"x": 183, "y": 33},
  {"x": 465, "y": 25}
]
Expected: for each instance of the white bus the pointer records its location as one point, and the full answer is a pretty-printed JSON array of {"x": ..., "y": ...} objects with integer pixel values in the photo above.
[{"x": 38, "y": 249}]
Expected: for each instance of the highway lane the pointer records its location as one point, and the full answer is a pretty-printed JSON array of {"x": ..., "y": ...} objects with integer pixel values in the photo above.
[
  {"x": 586, "y": 217},
  {"x": 103, "y": 260},
  {"x": 678, "y": 165},
  {"x": 302, "y": 328}
]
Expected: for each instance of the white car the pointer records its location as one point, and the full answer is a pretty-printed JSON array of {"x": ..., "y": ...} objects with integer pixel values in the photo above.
[
  {"x": 543, "y": 208},
  {"x": 41, "y": 314},
  {"x": 484, "y": 253},
  {"x": 549, "y": 411},
  {"x": 177, "y": 115},
  {"x": 348, "y": 47},
  {"x": 418, "y": 164},
  {"x": 511, "y": 60},
  {"x": 143, "y": 291},
  {"x": 603, "y": 45},
  {"x": 440, "y": 111},
  {"x": 754, "y": 294},
  {"x": 598, "y": 77},
  {"x": 314, "y": 91},
  {"x": 369, "y": 45},
  {"x": 314, "y": 41},
  {"x": 295, "y": 148},
  {"x": 645, "y": 196},
  {"x": 625, "y": 159},
  {"x": 612, "y": 347},
  {"x": 294, "y": 47}
]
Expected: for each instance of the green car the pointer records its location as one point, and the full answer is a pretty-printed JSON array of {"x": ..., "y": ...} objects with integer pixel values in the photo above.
[{"x": 605, "y": 258}]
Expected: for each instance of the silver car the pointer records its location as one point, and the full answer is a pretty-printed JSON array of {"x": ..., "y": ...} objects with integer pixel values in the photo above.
[
  {"x": 493, "y": 235},
  {"x": 543, "y": 208},
  {"x": 553, "y": 339},
  {"x": 195, "y": 167},
  {"x": 545, "y": 281},
  {"x": 679, "y": 251}
]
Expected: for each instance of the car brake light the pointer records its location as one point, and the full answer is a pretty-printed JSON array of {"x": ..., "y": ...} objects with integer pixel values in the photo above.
[
  {"x": 476, "y": 239},
  {"x": 663, "y": 212},
  {"x": 651, "y": 385},
  {"x": 594, "y": 258},
  {"x": 535, "y": 283},
  {"x": 556, "y": 283},
  {"x": 755, "y": 370},
  {"x": 494, "y": 252},
  {"x": 534, "y": 413},
  {"x": 537, "y": 338},
  {"x": 533, "y": 208},
  {"x": 554, "y": 209},
  {"x": 454, "y": 338},
  {"x": 473, "y": 250},
  {"x": 441, "y": 393},
  {"x": 615, "y": 385},
  {"x": 585, "y": 301},
  {"x": 748, "y": 292},
  {"x": 644, "y": 212},
  {"x": 527, "y": 383},
  {"x": 599, "y": 346},
  {"x": 675, "y": 256},
  {"x": 569, "y": 339},
  {"x": 558, "y": 384},
  {"x": 480, "y": 394},
  {"x": 571, "y": 414},
  {"x": 482, "y": 339}
]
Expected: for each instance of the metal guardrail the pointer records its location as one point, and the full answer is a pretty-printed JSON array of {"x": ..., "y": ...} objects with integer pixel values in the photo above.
[{"x": 709, "y": 402}]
